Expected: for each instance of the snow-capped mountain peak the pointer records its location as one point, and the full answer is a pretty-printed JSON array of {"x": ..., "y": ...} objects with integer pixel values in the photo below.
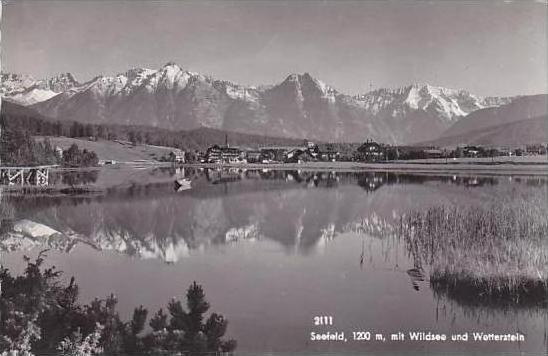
[
  {"x": 448, "y": 104},
  {"x": 306, "y": 85},
  {"x": 25, "y": 90},
  {"x": 61, "y": 82},
  {"x": 15, "y": 83},
  {"x": 136, "y": 76}
]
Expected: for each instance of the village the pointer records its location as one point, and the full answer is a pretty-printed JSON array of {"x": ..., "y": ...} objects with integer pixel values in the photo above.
[{"x": 370, "y": 151}]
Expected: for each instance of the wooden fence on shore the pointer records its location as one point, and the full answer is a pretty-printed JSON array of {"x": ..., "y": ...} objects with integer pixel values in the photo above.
[{"x": 37, "y": 175}]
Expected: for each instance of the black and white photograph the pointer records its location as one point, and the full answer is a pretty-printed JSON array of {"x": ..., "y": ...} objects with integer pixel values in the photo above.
[{"x": 273, "y": 177}]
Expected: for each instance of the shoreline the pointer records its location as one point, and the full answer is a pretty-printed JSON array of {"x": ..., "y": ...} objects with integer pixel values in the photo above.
[{"x": 522, "y": 168}]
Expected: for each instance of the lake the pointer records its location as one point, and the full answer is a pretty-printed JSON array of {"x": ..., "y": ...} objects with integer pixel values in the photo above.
[{"x": 272, "y": 248}]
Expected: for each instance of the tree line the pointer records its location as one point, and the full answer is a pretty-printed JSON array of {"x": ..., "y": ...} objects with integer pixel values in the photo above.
[
  {"x": 192, "y": 140},
  {"x": 40, "y": 314},
  {"x": 19, "y": 148}
]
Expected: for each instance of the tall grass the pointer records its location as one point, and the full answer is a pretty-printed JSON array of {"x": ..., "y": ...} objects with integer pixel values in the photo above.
[
  {"x": 493, "y": 253},
  {"x": 7, "y": 213}
]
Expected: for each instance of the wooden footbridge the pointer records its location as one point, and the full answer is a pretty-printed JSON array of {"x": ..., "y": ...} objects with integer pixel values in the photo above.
[{"x": 36, "y": 175}]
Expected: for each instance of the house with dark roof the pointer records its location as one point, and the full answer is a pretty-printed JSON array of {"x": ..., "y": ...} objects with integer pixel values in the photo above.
[
  {"x": 371, "y": 151},
  {"x": 326, "y": 152},
  {"x": 224, "y": 154}
]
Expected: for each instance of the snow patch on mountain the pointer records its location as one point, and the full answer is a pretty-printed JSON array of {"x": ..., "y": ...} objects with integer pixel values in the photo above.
[
  {"x": 26, "y": 90},
  {"x": 31, "y": 96},
  {"x": 448, "y": 104},
  {"x": 13, "y": 83},
  {"x": 60, "y": 83},
  {"x": 413, "y": 98}
]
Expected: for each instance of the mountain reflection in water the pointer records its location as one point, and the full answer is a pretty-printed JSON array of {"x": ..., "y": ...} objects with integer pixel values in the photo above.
[{"x": 227, "y": 205}]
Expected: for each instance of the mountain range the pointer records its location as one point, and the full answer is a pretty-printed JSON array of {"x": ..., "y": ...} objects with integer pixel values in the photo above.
[
  {"x": 300, "y": 106},
  {"x": 523, "y": 121},
  {"x": 26, "y": 90}
]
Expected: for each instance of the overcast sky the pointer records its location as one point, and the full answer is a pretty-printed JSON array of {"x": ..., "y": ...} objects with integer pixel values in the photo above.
[{"x": 487, "y": 47}]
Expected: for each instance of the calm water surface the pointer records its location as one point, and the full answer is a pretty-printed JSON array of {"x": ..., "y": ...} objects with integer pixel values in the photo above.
[{"x": 272, "y": 249}]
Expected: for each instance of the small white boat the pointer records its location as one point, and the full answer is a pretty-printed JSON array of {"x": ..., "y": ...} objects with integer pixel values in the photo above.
[{"x": 183, "y": 184}]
